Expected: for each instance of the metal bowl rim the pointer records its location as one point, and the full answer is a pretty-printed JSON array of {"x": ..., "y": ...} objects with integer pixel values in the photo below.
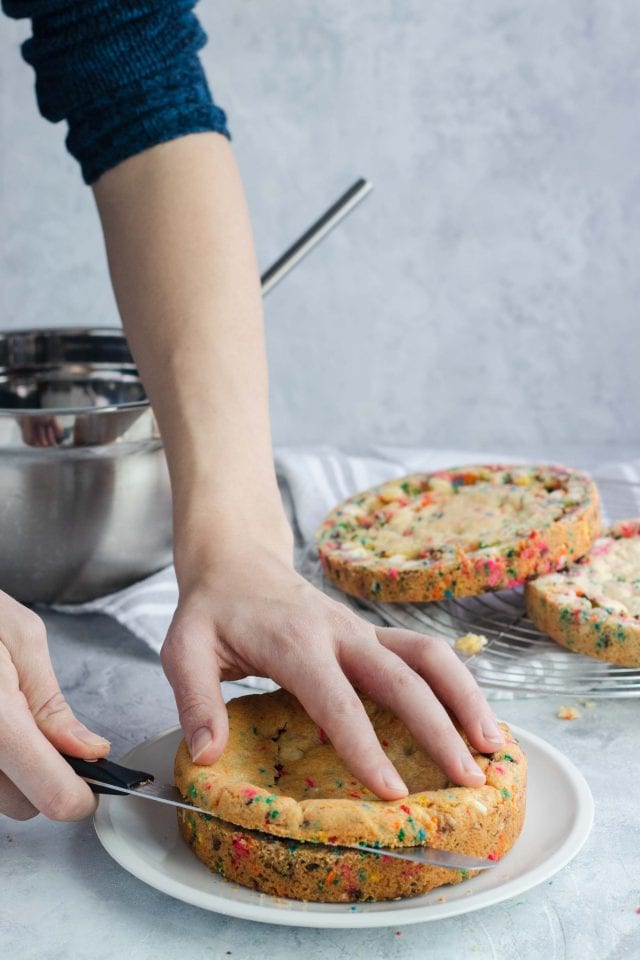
[
  {"x": 66, "y": 331},
  {"x": 15, "y": 412}
]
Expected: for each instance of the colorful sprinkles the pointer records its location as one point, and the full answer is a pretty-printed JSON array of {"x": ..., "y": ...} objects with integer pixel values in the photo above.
[
  {"x": 593, "y": 607},
  {"x": 458, "y": 532},
  {"x": 303, "y": 804}
]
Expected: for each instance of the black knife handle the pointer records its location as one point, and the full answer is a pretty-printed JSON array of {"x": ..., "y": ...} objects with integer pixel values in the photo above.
[{"x": 106, "y": 771}]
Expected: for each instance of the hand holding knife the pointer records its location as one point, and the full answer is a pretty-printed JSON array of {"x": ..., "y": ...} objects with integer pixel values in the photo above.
[{"x": 105, "y": 776}]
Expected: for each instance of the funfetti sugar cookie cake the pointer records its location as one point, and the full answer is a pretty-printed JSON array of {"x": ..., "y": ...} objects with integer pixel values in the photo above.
[
  {"x": 280, "y": 807},
  {"x": 594, "y": 606},
  {"x": 458, "y": 532}
]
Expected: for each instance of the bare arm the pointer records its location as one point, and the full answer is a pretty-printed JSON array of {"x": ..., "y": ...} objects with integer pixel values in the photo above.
[
  {"x": 186, "y": 280},
  {"x": 184, "y": 272}
]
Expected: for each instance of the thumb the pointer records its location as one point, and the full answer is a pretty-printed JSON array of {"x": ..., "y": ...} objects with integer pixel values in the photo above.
[
  {"x": 39, "y": 685},
  {"x": 191, "y": 666},
  {"x": 68, "y": 734}
]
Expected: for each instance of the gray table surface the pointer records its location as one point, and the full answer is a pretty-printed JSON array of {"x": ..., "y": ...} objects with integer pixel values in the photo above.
[{"x": 63, "y": 897}]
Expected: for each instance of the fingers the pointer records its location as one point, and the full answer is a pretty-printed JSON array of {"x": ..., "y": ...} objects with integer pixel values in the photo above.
[
  {"x": 330, "y": 700},
  {"x": 62, "y": 728},
  {"x": 41, "y": 431},
  {"x": 191, "y": 667},
  {"x": 317, "y": 652},
  {"x": 24, "y": 637},
  {"x": 36, "y": 769},
  {"x": 388, "y": 680},
  {"x": 34, "y": 720},
  {"x": 451, "y": 682}
]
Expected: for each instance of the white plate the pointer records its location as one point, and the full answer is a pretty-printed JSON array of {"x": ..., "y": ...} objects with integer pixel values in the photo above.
[{"x": 142, "y": 836}]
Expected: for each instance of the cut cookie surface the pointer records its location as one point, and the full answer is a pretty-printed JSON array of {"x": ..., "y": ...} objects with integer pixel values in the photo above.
[{"x": 594, "y": 607}]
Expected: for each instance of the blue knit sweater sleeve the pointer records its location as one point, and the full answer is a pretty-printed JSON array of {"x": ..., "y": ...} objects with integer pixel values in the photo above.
[{"x": 124, "y": 74}]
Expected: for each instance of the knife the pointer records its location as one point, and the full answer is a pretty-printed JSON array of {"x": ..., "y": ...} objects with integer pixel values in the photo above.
[{"x": 105, "y": 776}]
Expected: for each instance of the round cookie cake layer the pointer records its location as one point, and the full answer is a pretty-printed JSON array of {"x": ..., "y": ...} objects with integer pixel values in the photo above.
[
  {"x": 594, "y": 607},
  {"x": 458, "y": 532},
  {"x": 306, "y": 871},
  {"x": 281, "y": 776}
]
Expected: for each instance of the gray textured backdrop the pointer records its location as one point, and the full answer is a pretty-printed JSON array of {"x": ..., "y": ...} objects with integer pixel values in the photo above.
[{"x": 485, "y": 295}]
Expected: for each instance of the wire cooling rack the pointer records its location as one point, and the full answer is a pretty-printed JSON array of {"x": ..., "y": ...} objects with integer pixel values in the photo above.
[{"x": 517, "y": 657}]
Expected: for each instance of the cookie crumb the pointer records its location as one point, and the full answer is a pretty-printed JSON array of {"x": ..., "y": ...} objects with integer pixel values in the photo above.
[
  {"x": 470, "y": 643},
  {"x": 568, "y": 713},
  {"x": 442, "y": 899}
]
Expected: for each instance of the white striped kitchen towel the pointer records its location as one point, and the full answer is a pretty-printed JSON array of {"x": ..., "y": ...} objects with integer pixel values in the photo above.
[{"x": 312, "y": 480}]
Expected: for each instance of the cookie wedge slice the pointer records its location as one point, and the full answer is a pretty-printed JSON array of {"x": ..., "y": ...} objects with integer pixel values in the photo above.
[{"x": 594, "y": 607}]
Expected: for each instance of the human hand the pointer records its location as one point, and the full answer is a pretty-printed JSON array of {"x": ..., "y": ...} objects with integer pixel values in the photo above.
[
  {"x": 256, "y": 615},
  {"x": 36, "y": 723},
  {"x": 41, "y": 431}
]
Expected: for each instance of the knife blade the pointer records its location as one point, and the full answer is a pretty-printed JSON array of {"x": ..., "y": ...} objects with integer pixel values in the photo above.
[
  {"x": 431, "y": 856},
  {"x": 105, "y": 776}
]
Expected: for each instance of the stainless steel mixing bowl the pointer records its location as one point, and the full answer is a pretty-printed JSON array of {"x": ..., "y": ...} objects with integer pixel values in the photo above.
[{"x": 85, "y": 503}]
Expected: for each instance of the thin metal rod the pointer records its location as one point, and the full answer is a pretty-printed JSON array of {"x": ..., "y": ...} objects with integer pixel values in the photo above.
[{"x": 340, "y": 209}]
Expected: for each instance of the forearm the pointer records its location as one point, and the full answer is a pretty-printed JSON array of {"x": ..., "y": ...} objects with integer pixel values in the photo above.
[{"x": 186, "y": 280}]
